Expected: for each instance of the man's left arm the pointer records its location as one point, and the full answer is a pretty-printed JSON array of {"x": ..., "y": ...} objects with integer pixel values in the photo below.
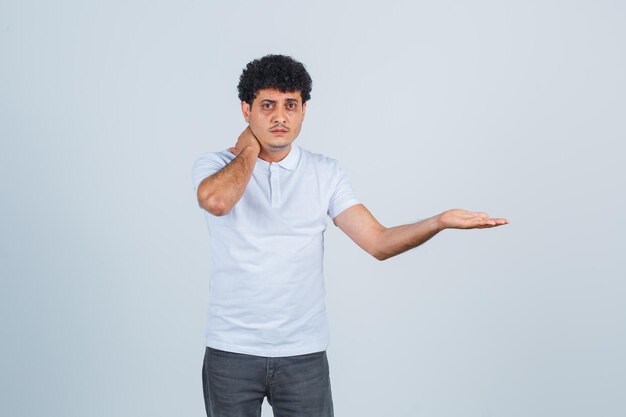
[{"x": 382, "y": 243}]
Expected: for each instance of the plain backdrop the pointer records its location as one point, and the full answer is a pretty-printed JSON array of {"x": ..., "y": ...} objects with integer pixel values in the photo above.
[{"x": 513, "y": 108}]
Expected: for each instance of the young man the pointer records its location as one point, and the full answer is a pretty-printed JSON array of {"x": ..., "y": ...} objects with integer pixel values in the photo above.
[{"x": 266, "y": 201}]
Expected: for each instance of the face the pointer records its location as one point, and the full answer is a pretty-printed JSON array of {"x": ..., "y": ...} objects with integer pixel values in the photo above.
[{"x": 275, "y": 118}]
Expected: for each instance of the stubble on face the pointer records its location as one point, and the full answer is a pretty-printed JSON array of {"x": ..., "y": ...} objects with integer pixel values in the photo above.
[{"x": 276, "y": 119}]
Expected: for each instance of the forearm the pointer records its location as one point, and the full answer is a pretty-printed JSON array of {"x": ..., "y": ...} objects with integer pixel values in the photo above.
[
  {"x": 383, "y": 243},
  {"x": 395, "y": 240},
  {"x": 222, "y": 190}
]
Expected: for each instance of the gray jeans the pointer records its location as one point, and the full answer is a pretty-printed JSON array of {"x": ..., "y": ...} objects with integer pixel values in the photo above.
[{"x": 235, "y": 384}]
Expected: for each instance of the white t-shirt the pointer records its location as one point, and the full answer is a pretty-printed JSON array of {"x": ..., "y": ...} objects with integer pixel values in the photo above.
[{"x": 266, "y": 289}]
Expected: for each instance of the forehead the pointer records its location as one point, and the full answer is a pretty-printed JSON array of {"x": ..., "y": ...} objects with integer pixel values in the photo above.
[{"x": 276, "y": 95}]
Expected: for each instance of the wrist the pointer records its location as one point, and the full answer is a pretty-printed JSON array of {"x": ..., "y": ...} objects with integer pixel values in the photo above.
[{"x": 437, "y": 223}]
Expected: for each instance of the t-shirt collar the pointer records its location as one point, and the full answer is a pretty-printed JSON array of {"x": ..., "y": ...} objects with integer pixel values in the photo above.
[{"x": 290, "y": 162}]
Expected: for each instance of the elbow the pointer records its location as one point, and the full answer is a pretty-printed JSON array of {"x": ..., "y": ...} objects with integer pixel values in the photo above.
[
  {"x": 214, "y": 206},
  {"x": 378, "y": 248},
  {"x": 211, "y": 201},
  {"x": 380, "y": 257}
]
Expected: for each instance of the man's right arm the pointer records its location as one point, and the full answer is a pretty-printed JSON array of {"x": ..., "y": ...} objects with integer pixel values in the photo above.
[{"x": 219, "y": 192}]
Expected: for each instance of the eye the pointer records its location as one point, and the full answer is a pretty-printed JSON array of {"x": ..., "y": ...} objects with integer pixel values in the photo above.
[
  {"x": 267, "y": 105},
  {"x": 292, "y": 105}
]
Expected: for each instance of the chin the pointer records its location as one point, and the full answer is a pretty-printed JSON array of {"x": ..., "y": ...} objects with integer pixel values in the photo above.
[
  {"x": 278, "y": 143},
  {"x": 278, "y": 146}
]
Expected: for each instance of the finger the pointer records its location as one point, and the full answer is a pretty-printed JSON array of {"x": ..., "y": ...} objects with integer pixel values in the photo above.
[
  {"x": 467, "y": 215},
  {"x": 474, "y": 223},
  {"x": 472, "y": 215},
  {"x": 485, "y": 221},
  {"x": 495, "y": 223},
  {"x": 250, "y": 129}
]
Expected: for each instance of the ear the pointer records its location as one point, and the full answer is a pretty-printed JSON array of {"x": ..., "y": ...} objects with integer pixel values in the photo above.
[
  {"x": 245, "y": 110},
  {"x": 303, "y": 109}
]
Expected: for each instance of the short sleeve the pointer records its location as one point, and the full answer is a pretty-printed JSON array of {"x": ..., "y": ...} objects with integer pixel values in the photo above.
[
  {"x": 342, "y": 196},
  {"x": 205, "y": 166}
]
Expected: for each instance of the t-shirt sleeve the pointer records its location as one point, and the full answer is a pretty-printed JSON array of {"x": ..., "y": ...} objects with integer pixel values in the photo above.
[
  {"x": 342, "y": 196},
  {"x": 205, "y": 166}
]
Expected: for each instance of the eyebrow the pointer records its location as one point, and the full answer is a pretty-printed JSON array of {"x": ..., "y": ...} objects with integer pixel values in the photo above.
[{"x": 291, "y": 100}]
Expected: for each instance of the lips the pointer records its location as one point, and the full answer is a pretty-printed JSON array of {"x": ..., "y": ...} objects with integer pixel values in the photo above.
[{"x": 279, "y": 132}]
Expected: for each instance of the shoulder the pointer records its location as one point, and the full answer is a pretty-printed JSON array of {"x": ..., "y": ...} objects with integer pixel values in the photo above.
[
  {"x": 320, "y": 160},
  {"x": 219, "y": 157},
  {"x": 208, "y": 164}
]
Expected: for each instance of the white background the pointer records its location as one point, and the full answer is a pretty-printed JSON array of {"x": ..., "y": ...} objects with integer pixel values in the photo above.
[{"x": 514, "y": 108}]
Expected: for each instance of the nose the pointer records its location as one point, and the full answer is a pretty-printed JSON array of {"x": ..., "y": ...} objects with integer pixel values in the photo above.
[{"x": 279, "y": 115}]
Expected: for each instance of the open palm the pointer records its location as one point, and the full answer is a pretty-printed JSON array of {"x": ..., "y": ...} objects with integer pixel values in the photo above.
[{"x": 463, "y": 219}]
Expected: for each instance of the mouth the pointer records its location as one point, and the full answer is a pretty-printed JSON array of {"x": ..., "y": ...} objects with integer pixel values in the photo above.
[{"x": 279, "y": 132}]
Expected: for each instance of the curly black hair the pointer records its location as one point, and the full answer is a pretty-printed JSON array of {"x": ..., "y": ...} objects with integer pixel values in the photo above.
[{"x": 274, "y": 71}]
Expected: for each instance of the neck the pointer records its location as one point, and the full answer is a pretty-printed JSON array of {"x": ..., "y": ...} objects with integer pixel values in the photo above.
[{"x": 274, "y": 155}]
